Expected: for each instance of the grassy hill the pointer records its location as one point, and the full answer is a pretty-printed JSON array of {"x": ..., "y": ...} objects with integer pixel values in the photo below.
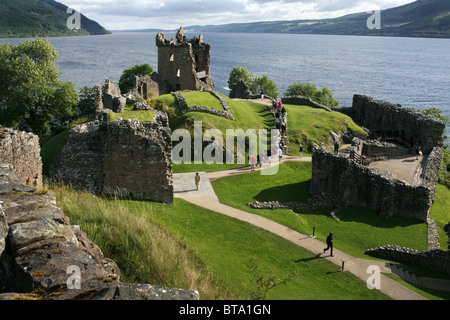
[
  {"x": 305, "y": 124},
  {"x": 422, "y": 18},
  {"x": 41, "y": 18}
]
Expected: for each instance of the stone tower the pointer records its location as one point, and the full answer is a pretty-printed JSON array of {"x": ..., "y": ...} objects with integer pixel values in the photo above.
[{"x": 184, "y": 64}]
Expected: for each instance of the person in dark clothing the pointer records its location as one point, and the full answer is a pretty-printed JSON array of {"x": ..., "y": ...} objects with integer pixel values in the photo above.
[{"x": 330, "y": 241}]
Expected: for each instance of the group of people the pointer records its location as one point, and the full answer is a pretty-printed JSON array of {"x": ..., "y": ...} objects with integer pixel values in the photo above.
[
  {"x": 272, "y": 154},
  {"x": 280, "y": 115}
]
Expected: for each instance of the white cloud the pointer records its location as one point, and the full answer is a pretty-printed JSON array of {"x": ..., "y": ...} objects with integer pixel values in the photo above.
[{"x": 139, "y": 14}]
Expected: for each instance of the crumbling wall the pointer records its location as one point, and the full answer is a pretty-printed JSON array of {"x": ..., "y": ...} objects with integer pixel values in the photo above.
[
  {"x": 385, "y": 119},
  {"x": 364, "y": 187},
  {"x": 126, "y": 158},
  {"x": 240, "y": 91},
  {"x": 137, "y": 161},
  {"x": 113, "y": 99},
  {"x": 22, "y": 151}
]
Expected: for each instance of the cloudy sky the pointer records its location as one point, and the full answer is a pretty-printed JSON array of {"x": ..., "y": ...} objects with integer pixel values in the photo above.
[{"x": 171, "y": 14}]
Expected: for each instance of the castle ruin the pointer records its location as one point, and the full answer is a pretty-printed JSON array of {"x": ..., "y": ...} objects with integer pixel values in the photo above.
[{"x": 183, "y": 64}]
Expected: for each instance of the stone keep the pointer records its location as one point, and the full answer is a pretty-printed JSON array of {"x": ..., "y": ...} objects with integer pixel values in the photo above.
[{"x": 184, "y": 64}]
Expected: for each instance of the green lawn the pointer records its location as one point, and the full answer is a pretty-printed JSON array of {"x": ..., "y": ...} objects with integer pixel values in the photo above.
[
  {"x": 205, "y": 99},
  {"x": 440, "y": 212},
  {"x": 357, "y": 230}
]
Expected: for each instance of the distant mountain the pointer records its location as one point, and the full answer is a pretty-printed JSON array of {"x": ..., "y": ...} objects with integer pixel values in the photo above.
[
  {"x": 422, "y": 18},
  {"x": 41, "y": 18}
]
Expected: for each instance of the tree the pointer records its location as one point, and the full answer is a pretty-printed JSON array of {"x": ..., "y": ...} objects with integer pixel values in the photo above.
[
  {"x": 310, "y": 90},
  {"x": 86, "y": 102},
  {"x": 31, "y": 94},
  {"x": 128, "y": 78},
  {"x": 241, "y": 73},
  {"x": 269, "y": 87}
]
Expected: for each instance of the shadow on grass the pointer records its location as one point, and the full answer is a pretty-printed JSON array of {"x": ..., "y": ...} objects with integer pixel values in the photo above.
[
  {"x": 371, "y": 217},
  {"x": 297, "y": 192}
]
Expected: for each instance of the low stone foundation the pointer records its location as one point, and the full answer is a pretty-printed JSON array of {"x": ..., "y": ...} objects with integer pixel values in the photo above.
[
  {"x": 436, "y": 260},
  {"x": 305, "y": 101},
  {"x": 185, "y": 108}
]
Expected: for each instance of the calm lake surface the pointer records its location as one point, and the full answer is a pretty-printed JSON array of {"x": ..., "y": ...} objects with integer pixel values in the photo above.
[{"x": 410, "y": 71}]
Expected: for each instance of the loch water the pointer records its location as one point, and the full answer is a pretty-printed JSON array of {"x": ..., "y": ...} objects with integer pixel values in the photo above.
[{"x": 409, "y": 71}]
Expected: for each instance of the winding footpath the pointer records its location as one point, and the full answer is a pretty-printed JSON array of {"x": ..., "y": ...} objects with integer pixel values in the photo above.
[{"x": 206, "y": 198}]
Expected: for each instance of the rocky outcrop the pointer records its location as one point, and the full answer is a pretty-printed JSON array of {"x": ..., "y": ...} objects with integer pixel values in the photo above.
[
  {"x": 43, "y": 256},
  {"x": 125, "y": 158},
  {"x": 22, "y": 151}
]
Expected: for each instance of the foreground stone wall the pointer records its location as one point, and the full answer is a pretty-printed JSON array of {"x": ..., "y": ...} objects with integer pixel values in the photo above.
[
  {"x": 39, "y": 249},
  {"x": 125, "y": 158},
  {"x": 22, "y": 151},
  {"x": 361, "y": 186},
  {"x": 394, "y": 121}
]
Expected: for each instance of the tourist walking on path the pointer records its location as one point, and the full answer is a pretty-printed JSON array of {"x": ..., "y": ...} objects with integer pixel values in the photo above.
[
  {"x": 197, "y": 180},
  {"x": 418, "y": 153},
  {"x": 301, "y": 150},
  {"x": 330, "y": 241}
]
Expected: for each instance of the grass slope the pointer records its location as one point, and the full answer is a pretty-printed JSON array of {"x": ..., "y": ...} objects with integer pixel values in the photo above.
[
  {"x": 312, "y": 126},
  {"x": 185, "y": 246}
]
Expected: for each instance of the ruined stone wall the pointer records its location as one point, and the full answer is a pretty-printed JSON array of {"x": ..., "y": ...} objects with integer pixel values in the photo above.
[
  {"x": 113, "y": 98},
  {"x": 392, "y": 120},
  {"x": 22, "y": 151},
  {"x": 361, "y": 186},
  {"x": 126, "y": 157},
  {"x": 137, "y": 161}
]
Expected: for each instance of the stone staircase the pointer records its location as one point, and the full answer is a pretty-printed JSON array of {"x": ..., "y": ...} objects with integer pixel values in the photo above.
[
  {"x": 283, "y": 136},
  {"x": 425, "y": 282},
  {"x": 403, "y": 274}
]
